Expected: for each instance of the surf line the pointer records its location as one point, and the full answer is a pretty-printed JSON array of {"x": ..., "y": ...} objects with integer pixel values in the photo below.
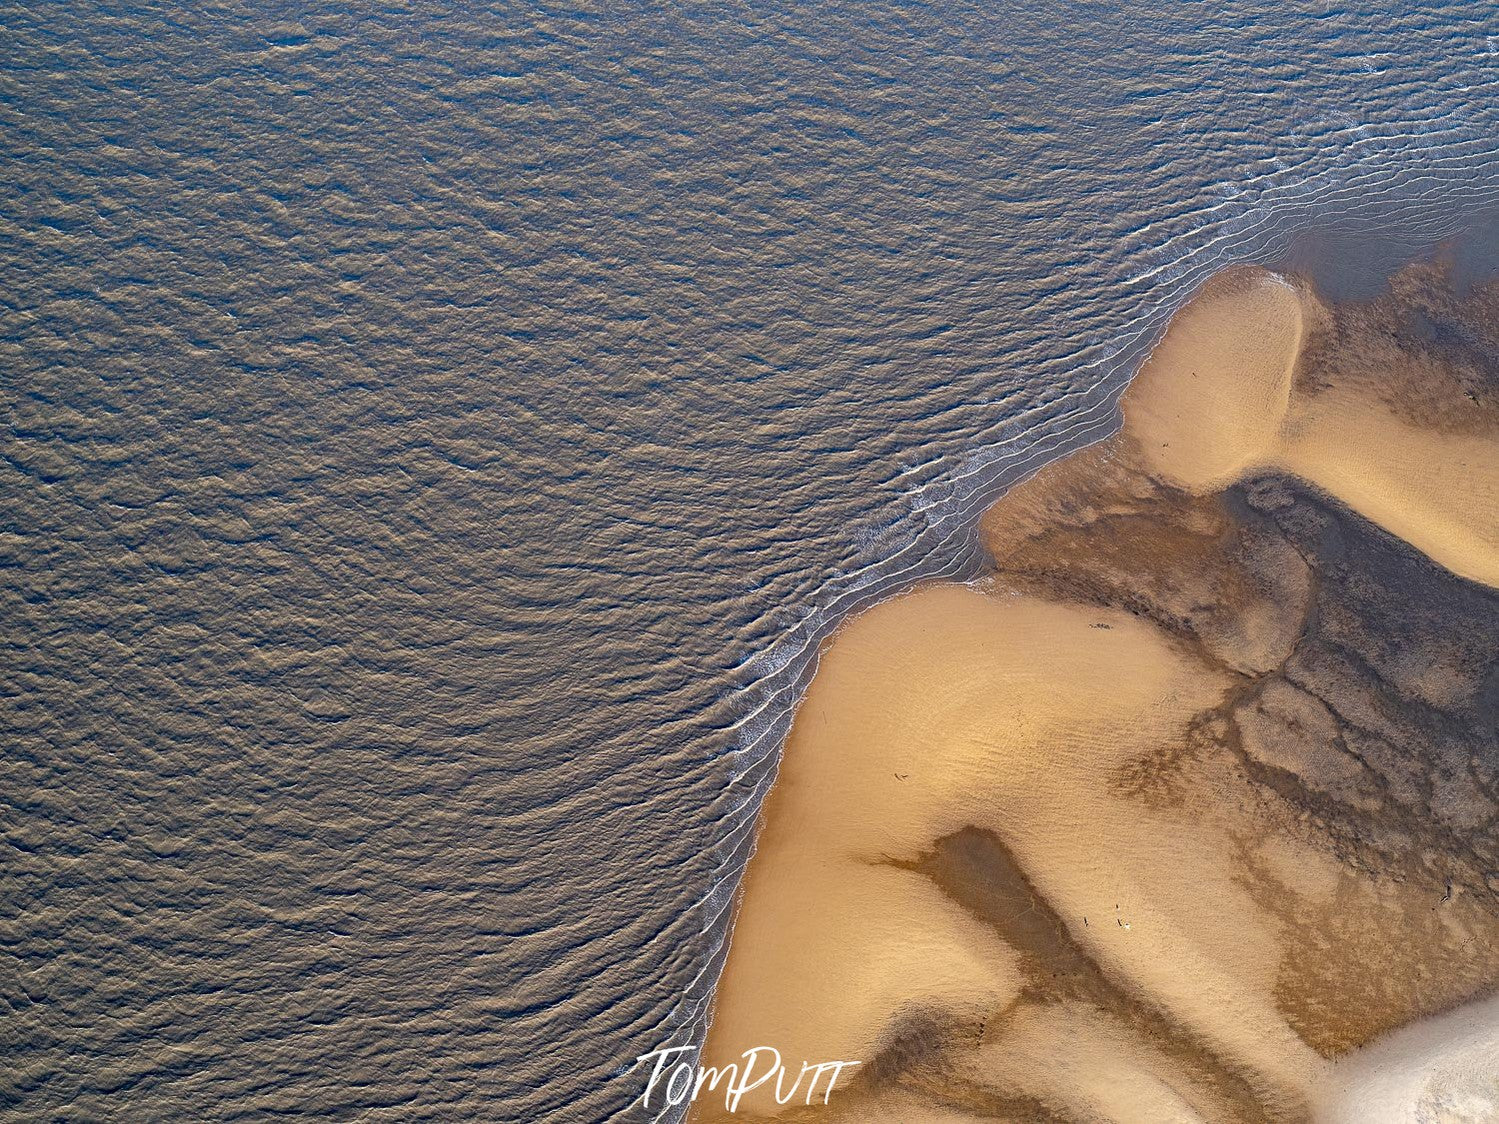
[{"x": 686, "y": 1080}]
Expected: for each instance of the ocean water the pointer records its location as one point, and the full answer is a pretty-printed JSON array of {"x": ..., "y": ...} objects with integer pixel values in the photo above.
[{"x": 436, "y": 439}]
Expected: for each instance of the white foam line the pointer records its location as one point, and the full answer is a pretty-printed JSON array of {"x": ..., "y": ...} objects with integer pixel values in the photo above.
[{"x": 1244, "y": 219}]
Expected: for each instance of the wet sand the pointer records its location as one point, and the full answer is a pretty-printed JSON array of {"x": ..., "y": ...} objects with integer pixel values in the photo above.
[{"x": 1194, "y": 796}]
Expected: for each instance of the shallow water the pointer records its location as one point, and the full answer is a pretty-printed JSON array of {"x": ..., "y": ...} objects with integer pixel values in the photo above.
[{"x": 436, "y": 438}]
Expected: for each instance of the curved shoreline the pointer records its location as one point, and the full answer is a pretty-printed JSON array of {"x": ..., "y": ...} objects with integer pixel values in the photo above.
[{"x": 930, "y": 815}]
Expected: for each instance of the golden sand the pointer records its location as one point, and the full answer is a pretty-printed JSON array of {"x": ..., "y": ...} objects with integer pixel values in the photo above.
[
  {"x": 1106, "y": 836},
  {"x": 1210, "y": 402},
  {"x": 1437, "y": 492},
  {"x": 1214, "y": 403}
]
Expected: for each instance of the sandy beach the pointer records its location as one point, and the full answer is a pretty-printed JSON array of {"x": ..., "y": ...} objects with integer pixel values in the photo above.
[{"x": 1192, "y": 797}]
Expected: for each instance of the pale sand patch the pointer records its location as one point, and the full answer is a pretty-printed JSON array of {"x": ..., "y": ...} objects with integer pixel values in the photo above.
[
  {"x": 1207, "y": 406},
  {"x": 1439, "y": 1071},
  {"x": 1437, "y": 491}
]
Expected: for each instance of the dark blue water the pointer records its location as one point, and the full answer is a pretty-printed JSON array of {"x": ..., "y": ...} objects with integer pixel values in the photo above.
[{"x": 437, "y": 437}]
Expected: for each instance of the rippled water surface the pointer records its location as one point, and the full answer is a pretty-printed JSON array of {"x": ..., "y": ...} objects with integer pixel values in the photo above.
[{"x": 435, "y": 439}]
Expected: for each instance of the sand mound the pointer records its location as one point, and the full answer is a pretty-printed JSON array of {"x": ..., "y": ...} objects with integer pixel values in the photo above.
[
  {"x": 1441, "y": 1071},
  {"x": 1209, "y": 403},
  {"x": 1192, "y": 798}
]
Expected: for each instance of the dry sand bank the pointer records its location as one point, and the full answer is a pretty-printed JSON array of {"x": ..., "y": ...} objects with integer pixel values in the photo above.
[{"x": 1197, "y": 793}]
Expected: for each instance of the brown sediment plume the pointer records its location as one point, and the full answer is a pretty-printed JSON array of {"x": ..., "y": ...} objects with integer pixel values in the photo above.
[{"x": 1198, "y": 791}]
